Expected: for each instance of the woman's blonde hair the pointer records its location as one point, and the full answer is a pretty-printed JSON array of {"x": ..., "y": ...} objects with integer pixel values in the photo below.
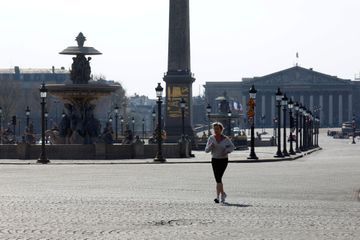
[{"x": 219, "y": 124}]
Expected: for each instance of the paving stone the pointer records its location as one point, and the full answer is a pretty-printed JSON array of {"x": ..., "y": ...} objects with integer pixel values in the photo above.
[{"x": 309, "y": 198}]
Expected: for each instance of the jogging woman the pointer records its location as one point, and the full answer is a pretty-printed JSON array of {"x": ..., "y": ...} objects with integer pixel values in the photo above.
[{"x": 220, "y": 146}]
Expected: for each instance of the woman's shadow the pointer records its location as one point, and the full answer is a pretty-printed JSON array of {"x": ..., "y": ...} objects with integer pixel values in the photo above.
[{"x": 236, "y": 205}]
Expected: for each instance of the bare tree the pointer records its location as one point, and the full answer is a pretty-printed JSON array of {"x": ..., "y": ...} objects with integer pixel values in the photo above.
[
  {"x": 9, "y": 94},
  {"x": 106, "y": 105}
]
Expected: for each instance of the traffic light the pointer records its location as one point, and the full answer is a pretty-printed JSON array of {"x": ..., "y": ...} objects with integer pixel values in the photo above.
[{"x": 13, "y": 121}]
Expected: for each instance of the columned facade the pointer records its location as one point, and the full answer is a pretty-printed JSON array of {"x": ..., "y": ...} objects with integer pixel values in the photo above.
[{"x": 334, "y": 96}]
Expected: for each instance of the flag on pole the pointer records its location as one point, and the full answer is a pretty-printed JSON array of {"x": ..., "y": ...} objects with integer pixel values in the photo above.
[{"x": 297, "y": 55}]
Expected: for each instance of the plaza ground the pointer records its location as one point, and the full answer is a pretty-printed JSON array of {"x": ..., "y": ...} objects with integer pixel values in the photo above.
[{"x": 313, "y": 197}]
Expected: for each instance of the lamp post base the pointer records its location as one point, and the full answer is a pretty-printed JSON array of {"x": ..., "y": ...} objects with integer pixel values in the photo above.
[
  {"x": 279, "y": 154},
  {"x": 253, "y": 156},
  {"x": 159, "y": 159},
  {"x": 285, "y": 154},
  {"x": 43, "y": 159},
  {"x": 291, "y": 152}
]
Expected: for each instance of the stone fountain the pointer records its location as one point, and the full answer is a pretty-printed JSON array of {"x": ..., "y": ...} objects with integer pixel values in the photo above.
[{"x": 79, "y": 125}]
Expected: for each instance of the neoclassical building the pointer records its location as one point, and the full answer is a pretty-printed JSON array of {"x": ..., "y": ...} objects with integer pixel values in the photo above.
[{"x": 337, "y": 98}]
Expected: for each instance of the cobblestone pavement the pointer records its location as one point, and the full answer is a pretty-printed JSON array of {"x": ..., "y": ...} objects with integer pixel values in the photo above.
[{"x": 310, "y": 198}]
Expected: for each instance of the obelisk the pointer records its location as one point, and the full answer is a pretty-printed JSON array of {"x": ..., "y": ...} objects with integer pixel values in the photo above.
[{"x": 178, "y": 78}]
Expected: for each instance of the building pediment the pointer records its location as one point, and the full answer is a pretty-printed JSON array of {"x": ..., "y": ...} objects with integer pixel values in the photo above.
[{"x": 297, "y": 76}]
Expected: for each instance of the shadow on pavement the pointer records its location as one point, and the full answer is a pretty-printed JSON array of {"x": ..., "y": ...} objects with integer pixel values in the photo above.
[{"x": 236, "y": 205}]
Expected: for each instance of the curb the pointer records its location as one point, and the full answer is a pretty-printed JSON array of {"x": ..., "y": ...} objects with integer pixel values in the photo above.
[{"x": 264, "y": 160}]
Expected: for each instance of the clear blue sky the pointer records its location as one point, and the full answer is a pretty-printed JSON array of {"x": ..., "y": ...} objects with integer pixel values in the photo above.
[{"x": 230, "y": 39}]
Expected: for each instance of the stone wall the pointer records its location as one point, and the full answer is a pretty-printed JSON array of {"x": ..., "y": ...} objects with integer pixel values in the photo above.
[
  {"x": 87, "y": 152},
  {"x": 8, "y": 151}
]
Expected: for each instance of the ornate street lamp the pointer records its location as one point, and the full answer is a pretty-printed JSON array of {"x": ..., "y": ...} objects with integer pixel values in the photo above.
[
  {"x": 305, "y": 129},
  {"x": 116, "y": 110},
  {"x": 308, "y": 127},
  {"x": 43, "y": 158},
  {"x": 297, "y": 109},
  {"x": 13, "y": 121},
  {"x": 63, "y": 114},
  {"x": 46, "y": 114},
  {"x": 315, "y": 125},
  {"x": 19, "y": 127},
  {"x": 314, "y": 131},
  {"x": 208, "y": 111},
  {"x": 122, "y": 125},
  {"x": 291, "y": 122},
  {"x": 229, "y": 122},
  {"x": 27, "y": 113},
  {"x": 284, "y": 102},
  {"x": 275, "y": 121},
  {"x": 159, "y": 157},
  {"x": 251, "y": 104},
  {"x": 1, "y": 131},
  {"x": 182, "y": 107},
  {"x": 133, "y": 125},
  {"x": 143, "y": 129},
  {"x": 317, "y": 132},
  {"x": 301, "y": 126},
  {"x": 354, "y": 129},
  {"x": 279, "y": 97},
  {"x": 153, "y": 114},
  {"x": 311, "y": 129},
  {"x": 110, "y": 120}
]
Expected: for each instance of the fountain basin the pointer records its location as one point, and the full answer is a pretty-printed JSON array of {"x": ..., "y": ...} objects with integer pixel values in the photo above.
[{"x": 87, "y": 92}]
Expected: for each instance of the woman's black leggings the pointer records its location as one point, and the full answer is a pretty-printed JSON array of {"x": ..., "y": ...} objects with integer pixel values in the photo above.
[{"x": 219, "y": 165}]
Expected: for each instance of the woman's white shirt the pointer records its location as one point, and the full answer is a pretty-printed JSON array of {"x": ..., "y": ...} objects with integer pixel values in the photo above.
[{"x": 219, "y": 149}]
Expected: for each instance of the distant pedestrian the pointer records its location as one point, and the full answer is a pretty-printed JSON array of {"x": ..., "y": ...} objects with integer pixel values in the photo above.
[{"x": 220, "y": 146}]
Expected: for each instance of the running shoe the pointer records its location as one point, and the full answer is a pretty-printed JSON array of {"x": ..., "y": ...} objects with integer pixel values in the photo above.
[
  {"x": 223, "y": 197},
  {"x": 216, "y": 200}
]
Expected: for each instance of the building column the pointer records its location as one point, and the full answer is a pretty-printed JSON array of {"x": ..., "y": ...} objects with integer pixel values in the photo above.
[
  {"x": 302, "y": 100},
  {"x": 244, "y": 106},
  {"x": 350, "y": 107},
  {"x": 340, "y": 109},
  {"x": 311, "y": 103},
  {"x": 331, "y": 114},
  {"x": 263, "y": 105},
  {"x": 244, "y": 103},
  {"x": 321, "y": 104}
]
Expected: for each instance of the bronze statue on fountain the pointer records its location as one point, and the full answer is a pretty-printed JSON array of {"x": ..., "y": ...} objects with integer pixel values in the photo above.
[{"x": 79, "y": 125}]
